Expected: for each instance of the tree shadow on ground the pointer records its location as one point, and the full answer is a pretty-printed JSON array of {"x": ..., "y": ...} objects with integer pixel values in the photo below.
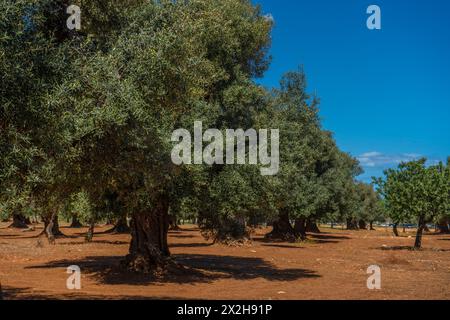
[
  {"x": 313, "y": 237},
  {"x": 437, "y": 234},
  {"x": 190, "y": 245},
  {"x": 10, "y": 293},
  {"x": 410, "y": 248},
  {"x": 93, "y": 242},
  {"x": 242, "y": 268},
  {"x": 191, "y": 269},
  {"x": 184, "y": 236},
  {"x": 283, "y": 246},
  {"x": 326, "y": 238},
  {"x": 397, "y": 248},
  {"x": 11, "y": 236}
]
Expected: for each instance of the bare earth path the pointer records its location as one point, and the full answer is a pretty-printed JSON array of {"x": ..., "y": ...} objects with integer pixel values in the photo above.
[{"x": 331, "y": 266}]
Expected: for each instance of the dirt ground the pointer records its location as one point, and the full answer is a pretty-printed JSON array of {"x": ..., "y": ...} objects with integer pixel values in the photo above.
[{"x": 331, "y": 265}]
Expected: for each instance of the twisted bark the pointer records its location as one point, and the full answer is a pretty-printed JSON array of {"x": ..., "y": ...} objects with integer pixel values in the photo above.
[{"x": 149, "y": 250}]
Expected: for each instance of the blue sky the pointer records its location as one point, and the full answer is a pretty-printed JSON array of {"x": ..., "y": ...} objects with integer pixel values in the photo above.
[{"x": 384, "y": 93}]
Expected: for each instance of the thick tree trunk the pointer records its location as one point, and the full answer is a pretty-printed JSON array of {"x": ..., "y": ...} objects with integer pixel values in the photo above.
[
  {"x": 311, "y": 226},
  {"x": 443, "y": 226},
  {"x": 371, "y": 226},
  {"x": 149, "y": 250},
  {"x": 362, "y": 225},
  {"x": 173, "y": 224},
  {"x": 19, "y": 221},
  {"x": 300, "y": 228},
  {"x": 75, "y": 222},
  {"x": 51, "y": 227},
  {"x": 282, "y": 228},
  {"x": 395, "y": 230},
  {"x": 352, "y": 224},
  {"x": 422, "y": 224},
  {"x": 121, "y": 226}
]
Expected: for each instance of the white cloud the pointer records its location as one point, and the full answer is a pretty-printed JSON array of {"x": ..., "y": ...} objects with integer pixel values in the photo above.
[
  {"x": 376, "y": 159},
  {"x": 371, "y": 154}
]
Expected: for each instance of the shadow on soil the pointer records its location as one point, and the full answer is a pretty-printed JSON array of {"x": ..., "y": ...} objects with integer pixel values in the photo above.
[
  {"x": 193, "y": 269},
  {"x": 411, "y": 248},
  {"x": 10, "y": 293},
  {"x": 312, "y": 237}
]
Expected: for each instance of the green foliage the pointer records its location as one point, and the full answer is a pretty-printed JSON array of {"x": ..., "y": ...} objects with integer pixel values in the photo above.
[
  {"x": 94, "y": 111},
  {"x": 370, "y": 207},
  {"x": 79, "y": 206},
  {"x": 414, "y": 190}
]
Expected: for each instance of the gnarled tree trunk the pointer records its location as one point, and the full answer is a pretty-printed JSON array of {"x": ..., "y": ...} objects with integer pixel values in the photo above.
[
  {"x": 282, "y": 228},
  {"x": 51, "y": 227},
  {"x": 311, "y": 226},
  {"x": 352, "y": 224},
  {"x": 300, "y": 228},
  {"x": 75, "y": 222},
  {"x": 443, "y": 226},
  {"x": 362, "y": 225},
  {"x": 121, "y": 226},
  {"x": 173, "y": 224},
  {"x": 19, "y": 221},
  {"x": 149, "y": 250}
]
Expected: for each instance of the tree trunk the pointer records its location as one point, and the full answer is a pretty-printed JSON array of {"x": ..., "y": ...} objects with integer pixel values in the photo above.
[
  {"x": 362, "y": 225},
  {"x": 282, "y": 228},
  {"x": 425, "y": 228},
  {"x": 173, "y": 225},
  {"x": 300, "y": 228},
  {"x": 352, "y": 224},
  {"x": 371, "y": 226},
  {"x": 311, "y": 226},
  {"x": 19, "y": 221},
  {"x": 422, "y": 224},
  {"x": 75, "y": 222},
  {"x": 51, "y": 227},
  {"x": 395, "y": 230},
  {"x": 149, "y": 250},
  {"x": 121, "y": 226},
  {"x": 90, "y": 233},
  {"x": 443, "y": 226}
]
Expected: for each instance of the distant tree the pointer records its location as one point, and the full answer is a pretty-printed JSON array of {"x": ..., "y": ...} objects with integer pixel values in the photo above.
[
  {"x": 370, "y": 207},
  {"x": 415, "y": 191}
]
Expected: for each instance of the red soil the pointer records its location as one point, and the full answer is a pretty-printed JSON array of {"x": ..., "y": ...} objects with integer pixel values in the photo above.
[{"x": 332, "y": 265}]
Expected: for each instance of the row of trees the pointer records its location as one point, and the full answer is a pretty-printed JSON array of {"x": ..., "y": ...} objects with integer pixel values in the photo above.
[{"x": 86, "y": 119}]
